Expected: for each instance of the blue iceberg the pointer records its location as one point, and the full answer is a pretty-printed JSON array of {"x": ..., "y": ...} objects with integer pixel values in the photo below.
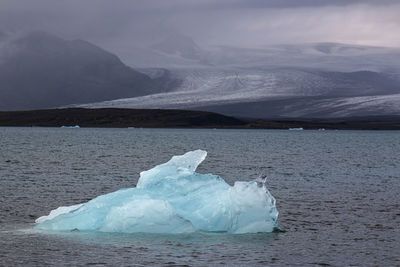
[{"x": 173, "y": 198}]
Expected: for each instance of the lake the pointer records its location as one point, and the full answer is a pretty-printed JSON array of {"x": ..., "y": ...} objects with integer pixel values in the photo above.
[{"x": 337, "y": 195}]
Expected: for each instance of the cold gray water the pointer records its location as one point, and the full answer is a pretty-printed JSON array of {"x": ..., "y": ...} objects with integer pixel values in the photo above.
[{"x": 337, "y": 195}]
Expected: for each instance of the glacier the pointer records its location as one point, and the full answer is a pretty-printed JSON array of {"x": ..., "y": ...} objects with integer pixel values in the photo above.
[{"x": 173, "y": 198}]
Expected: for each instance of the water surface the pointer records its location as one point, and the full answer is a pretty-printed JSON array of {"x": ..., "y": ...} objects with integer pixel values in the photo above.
[{"x": 337, "y": 194}]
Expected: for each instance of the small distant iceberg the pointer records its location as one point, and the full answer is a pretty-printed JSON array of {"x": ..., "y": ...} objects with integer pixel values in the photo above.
[
  {"x": 71, "y": 127},
  {"x": 296, "y": 129},
  {"x": 173, "y": 198}
]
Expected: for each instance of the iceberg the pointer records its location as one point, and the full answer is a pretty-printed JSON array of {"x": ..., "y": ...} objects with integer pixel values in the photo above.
[
  {"x": 173, "y": 198},
  {"x": 71, "y": 127}
]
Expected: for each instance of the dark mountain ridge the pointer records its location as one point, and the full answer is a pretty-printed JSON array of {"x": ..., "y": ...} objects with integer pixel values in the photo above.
[{"x": 40, "y": 70}]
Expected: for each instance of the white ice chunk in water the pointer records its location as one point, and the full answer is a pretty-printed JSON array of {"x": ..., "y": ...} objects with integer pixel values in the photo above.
[{"x": 173, "y": 198}]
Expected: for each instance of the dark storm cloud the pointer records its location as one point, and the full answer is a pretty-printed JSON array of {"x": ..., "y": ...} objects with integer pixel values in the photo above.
[{"x": 116, "y": 23}]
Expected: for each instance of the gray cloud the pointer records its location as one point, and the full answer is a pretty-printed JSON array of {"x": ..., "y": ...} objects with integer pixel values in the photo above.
[
  {"x": 118, "y": 23},
  {"x": 308, "y": 3}
]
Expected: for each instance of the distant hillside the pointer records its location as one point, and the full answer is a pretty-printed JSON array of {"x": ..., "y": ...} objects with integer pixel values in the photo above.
[
  {"x": 275, "y": 92},
  {"x": 40, "y": 70}
]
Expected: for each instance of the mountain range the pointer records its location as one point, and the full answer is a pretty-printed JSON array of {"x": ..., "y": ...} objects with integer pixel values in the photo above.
[{"x": 317, "y": 80}]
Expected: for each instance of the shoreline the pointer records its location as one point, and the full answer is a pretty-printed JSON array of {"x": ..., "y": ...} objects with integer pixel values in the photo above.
[{"x": 186, "y": 119}]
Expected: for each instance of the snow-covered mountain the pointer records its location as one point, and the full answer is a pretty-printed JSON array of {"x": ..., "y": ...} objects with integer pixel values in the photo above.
[{"x": 308, "y": 80}]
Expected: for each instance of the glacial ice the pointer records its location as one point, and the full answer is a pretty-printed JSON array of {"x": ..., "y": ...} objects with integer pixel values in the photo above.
[{"x": 172, "y": 198}]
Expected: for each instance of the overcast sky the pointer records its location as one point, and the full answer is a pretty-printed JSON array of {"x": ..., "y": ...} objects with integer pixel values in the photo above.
[{"x": 249, "y": 23}]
